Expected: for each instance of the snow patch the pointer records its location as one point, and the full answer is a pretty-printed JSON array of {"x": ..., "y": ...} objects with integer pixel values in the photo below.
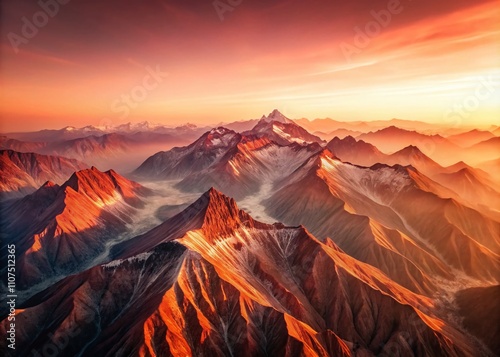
[
  {"x": 277, "y": 130},
  {"x": 137, "y": 258},
  {"x": 216, "y": 141},
  {"x": 378, "y": 184},
  {"x": 220, "y": 131}
]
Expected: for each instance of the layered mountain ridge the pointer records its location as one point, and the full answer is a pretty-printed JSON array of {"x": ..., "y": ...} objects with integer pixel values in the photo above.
[
  {"x": 235, "y": 163},
  {"x": 283, "y": 131},
  {"x": 472, "y": 186},
  {"x": 380, "y": 193},
  {"x": 363, "y": 209},
  {"x": 22, "y": 173},
  {"x": 58, "y": 229},
  {"x": 375, "y": 244},
  {"x": 219, "y": 292}
]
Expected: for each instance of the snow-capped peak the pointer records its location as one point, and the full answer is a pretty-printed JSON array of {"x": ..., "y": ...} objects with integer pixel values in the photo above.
[
  {"x": 186, "y": 126},
  {"x": 220, "y": 131},
  {"x": 146, "y": 125},
  {"x": 219, "y": 137},
  {"x": 141, "y": 126},
  {"x": 90, "y": 128},
  {"x": 276, "y": 115}
]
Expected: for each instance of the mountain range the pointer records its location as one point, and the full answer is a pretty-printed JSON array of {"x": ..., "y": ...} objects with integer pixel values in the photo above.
[
  {"x": 24, "y": 173},
  {"x": 254, "y": 238},
  {"x": 60, "y": 228},
  {"x": 122, "y": 147},
  {"x": 214, "y": 289}
]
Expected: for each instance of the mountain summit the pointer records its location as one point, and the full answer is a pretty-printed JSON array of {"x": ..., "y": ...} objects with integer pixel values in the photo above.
[
  {"x": 253, "y": 289},
  {"x": 280, "y": 129},
  {"x": 59, "y": 229},
  {"x": 214, "y": 214},
  {"x": 22, "y": 173},
  {"x": 276, "y": 116}
]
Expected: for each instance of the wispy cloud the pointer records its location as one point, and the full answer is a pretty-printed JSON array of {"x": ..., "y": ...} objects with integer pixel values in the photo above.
[{"x": 284, "y": 54}]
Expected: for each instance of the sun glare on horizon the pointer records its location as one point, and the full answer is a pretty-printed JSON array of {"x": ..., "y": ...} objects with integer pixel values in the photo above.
[{"x": 371, "y": 61}]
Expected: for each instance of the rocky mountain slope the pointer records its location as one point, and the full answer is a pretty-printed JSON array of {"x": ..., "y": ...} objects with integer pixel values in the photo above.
[
  {"x": 59, "y": 229},
  {"x": 230, "y": 285},
  {"x": 22, "y": 173}
]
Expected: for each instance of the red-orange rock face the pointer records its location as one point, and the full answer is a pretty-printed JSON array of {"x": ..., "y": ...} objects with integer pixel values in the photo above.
[{"x": 233, "y": 286}]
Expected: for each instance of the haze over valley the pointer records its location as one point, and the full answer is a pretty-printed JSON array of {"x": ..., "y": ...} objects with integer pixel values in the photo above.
[
  {"x": 256, "y": 178},
  {"x": 261, "y": 239}
]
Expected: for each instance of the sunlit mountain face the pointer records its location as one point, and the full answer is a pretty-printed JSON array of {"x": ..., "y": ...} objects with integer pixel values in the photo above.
[
  {"x": 264, "y": 239},
  {"x": 154, "y": 203}
]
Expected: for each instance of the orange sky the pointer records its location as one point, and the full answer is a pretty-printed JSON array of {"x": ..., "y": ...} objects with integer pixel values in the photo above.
[{"x": 431, "y": 62}]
